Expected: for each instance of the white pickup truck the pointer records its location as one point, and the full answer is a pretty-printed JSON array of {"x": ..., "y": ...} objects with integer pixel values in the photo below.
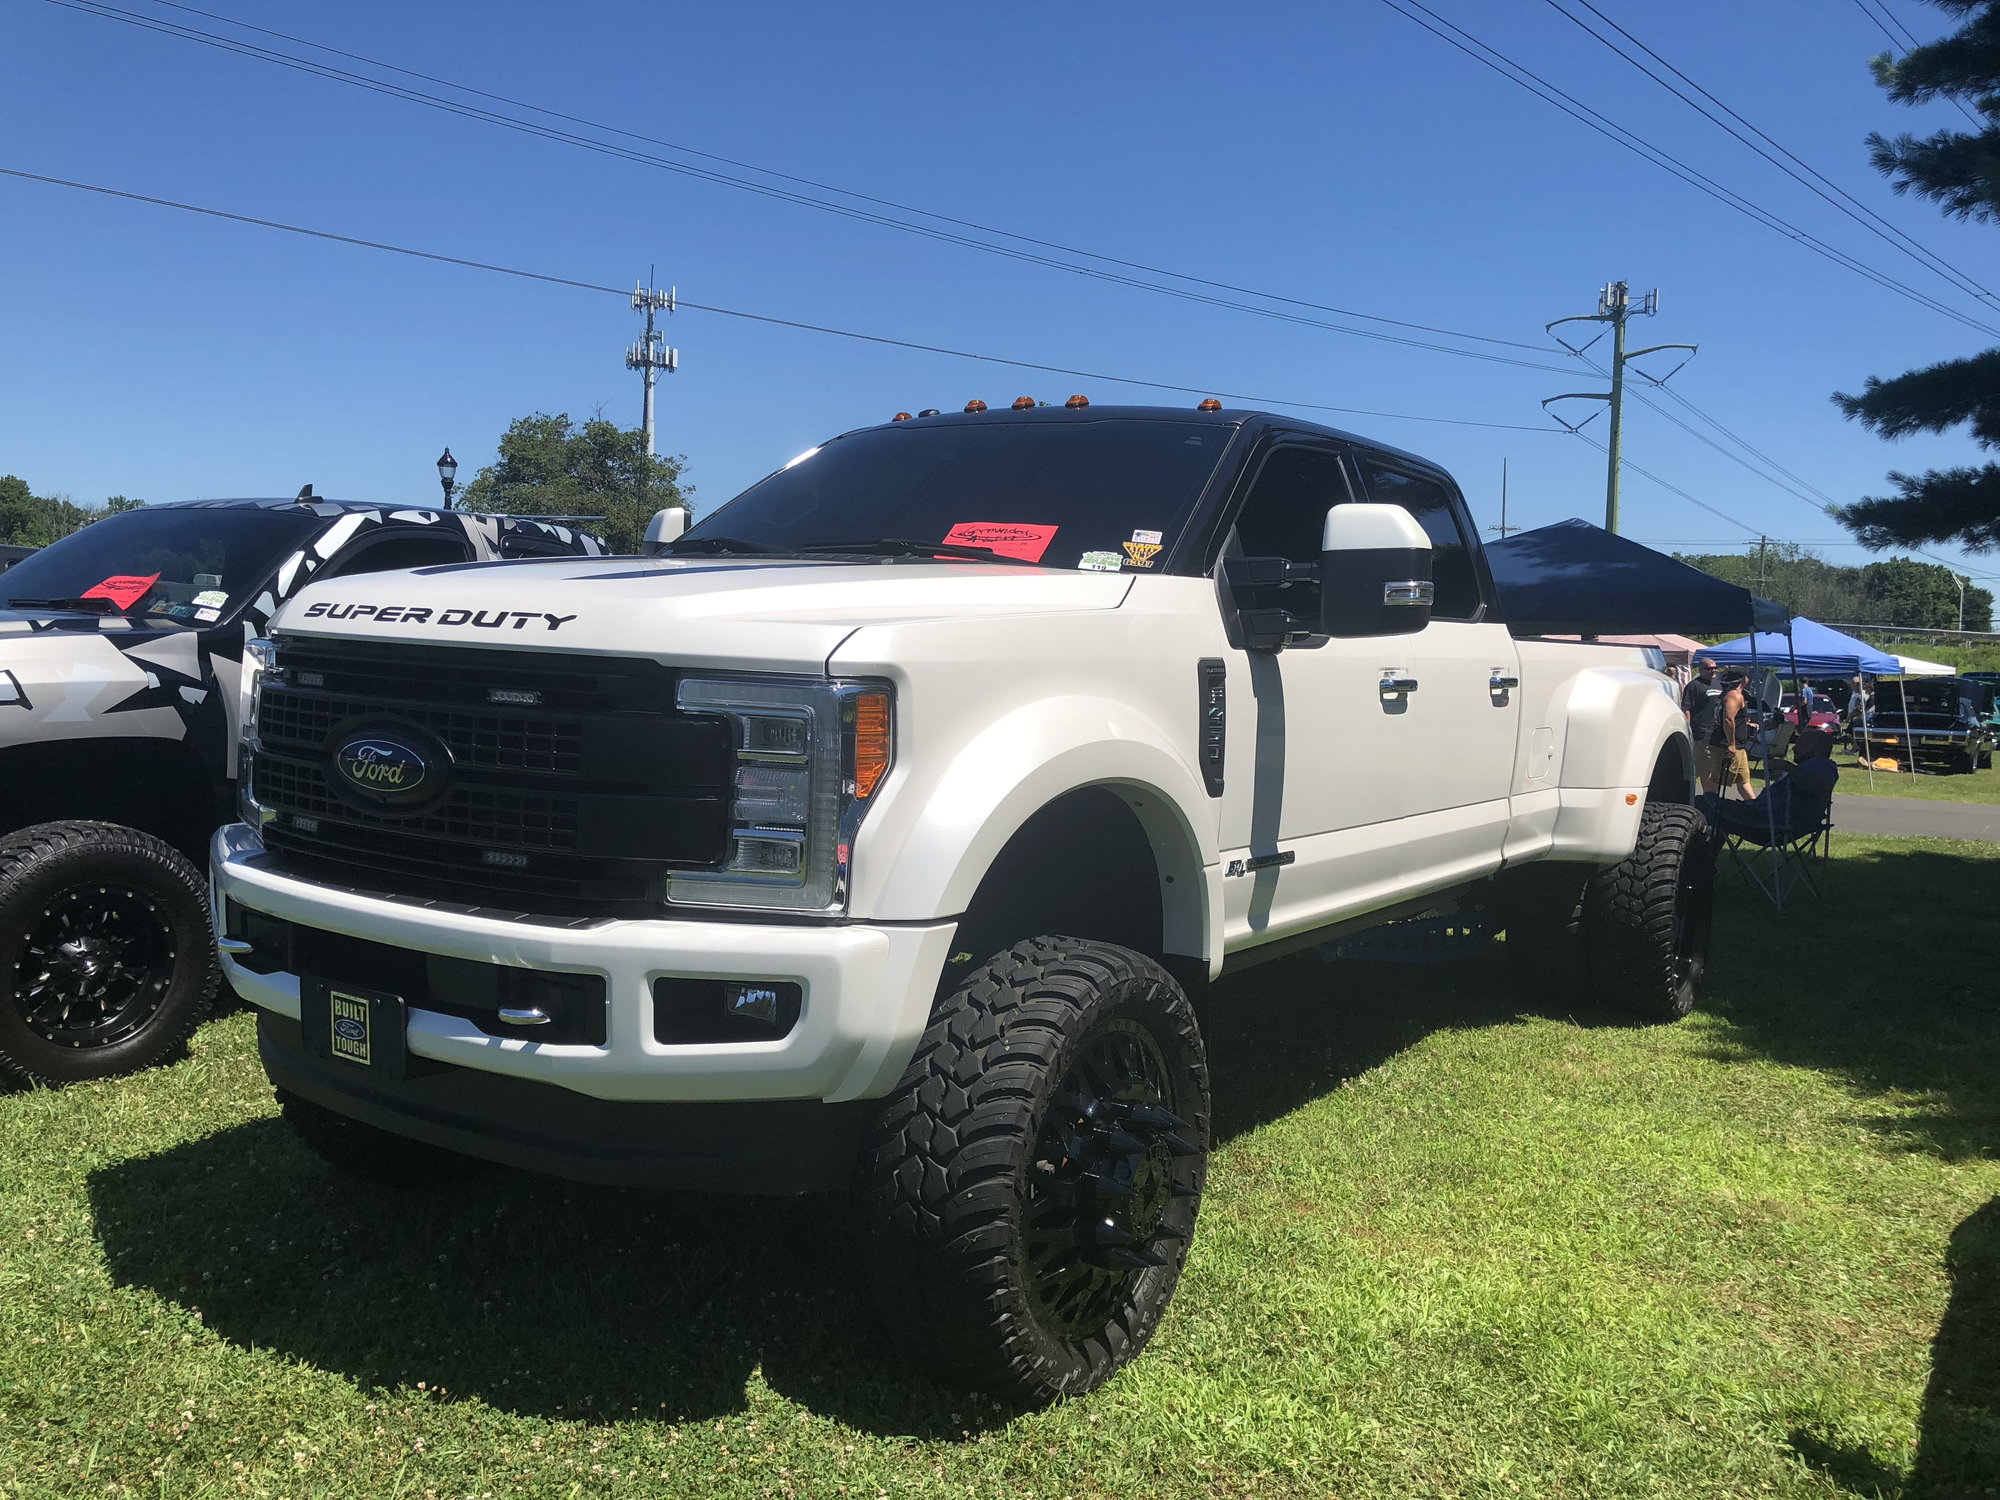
[{"x": 887, "y": 830}]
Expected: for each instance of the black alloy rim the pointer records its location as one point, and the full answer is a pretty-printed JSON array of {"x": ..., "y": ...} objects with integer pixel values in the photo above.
[
  {"x": 96, "y": 966},
  {"x": 1110, "y": 1193},
  {"x": 1691, "y": 900}
]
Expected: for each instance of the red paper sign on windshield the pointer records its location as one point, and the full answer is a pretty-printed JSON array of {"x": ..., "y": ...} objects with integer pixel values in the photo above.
[
  {"x": 1008, "y": 538},
  {"x": 122, "y": 589}
]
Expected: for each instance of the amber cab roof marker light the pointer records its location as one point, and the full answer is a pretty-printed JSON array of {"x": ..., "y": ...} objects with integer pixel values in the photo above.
[
  {"x": 1024, "y": 403},
  {"x": 1211, "y": 404},
  {"x": 975, "y": 404},
  {"x": 901, "y": 416},
  {"x": 1076, "y": 402}
]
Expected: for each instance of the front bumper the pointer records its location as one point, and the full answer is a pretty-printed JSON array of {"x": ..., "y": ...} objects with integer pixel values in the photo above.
[{"x": 867, "y": 989}]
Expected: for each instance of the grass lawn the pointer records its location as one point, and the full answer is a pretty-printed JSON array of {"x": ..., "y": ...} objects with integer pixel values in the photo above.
[
  {"x": 1450, "y": 1248},
  {"x": 1975, "y": 786}
]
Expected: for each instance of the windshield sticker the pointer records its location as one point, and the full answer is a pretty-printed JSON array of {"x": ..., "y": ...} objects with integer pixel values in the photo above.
[
  {"x": 1008, "y": 538},
  {"x": 1141, "y": 554},
  {"x": 122, "y": 589},
  {"x": 207, "y": 613},
  {"x": 215, "y": 597},
  {"x": 1100, "y": 562},
  {"x": 1152, "y": 537}
]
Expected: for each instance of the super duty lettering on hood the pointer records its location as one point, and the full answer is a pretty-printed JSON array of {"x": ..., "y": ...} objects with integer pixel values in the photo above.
[{"x": 421, "y": 614}]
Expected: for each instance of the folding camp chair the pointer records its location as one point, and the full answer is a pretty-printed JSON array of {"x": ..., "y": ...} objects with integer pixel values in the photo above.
[{"x": 1780, "y": 860}]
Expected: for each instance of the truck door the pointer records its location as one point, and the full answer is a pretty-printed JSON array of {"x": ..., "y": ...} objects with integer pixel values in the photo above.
[
  {"x": 1312, "y": 827},
  {"x": 1463, "y": 715}
]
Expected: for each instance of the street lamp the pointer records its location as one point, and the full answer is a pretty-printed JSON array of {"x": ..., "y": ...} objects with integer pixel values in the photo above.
[{"x": 447, "y": 476}]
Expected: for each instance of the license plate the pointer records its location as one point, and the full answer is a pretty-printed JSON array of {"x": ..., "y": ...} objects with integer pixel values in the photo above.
[{"x": 360, "y": 1027}]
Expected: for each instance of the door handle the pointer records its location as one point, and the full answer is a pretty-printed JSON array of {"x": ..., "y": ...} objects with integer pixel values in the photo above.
[
  {"x": 1398, "y": 685},
  {"x": 1501, "y": 684}
]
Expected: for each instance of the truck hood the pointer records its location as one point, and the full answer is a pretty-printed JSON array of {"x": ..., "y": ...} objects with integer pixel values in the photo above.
[{"x": 784, "y": 613}]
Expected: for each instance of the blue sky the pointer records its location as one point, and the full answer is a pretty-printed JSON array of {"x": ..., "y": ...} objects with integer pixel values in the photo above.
[{"x": 1332, "y": 152}]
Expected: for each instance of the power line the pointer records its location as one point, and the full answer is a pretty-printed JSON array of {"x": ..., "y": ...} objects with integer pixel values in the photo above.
[
  {"x": 1799, "y": 170},
  {"x": 1720, "y": 515},
  {"x": 727, "y": 312},
  {"x": 256, "y": 52},
  {"x": 1522, "y": 77}
]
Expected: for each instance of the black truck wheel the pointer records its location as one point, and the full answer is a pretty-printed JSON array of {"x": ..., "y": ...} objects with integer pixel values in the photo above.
[
  {"x": 1631, "y": 938},
  {"x": 107, "y": 961},
  {"x": 1035, "y": 1176},
  {"x": 363, "y": 1150}
]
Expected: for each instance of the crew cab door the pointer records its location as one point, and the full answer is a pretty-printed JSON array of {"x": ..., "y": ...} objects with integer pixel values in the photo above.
[
  {"x": 1363, "y": 790},
  {"x": 1464, "y": 713}
]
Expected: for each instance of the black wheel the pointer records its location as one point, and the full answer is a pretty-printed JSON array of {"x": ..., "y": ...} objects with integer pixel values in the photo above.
[
  {"x": 1964, "y": 763},
  {"x": 107, "y": 961},
  {"x": 364, "y": 1150},
  {"x": 1985, "y": 760},
  {"x": 1630, "y": 937},
  {"x": 1035, "y": 1176}
]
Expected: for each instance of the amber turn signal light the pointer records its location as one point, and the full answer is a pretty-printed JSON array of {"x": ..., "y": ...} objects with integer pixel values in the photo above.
[
  {"x": 871, "y": 742},
  {"x": 1077, "y": 401}
]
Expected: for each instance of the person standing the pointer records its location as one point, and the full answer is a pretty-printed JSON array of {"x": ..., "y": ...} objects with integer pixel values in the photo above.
[
  {"x": 1701, "y": 701},
  {"x": 1724, "y": 756}
]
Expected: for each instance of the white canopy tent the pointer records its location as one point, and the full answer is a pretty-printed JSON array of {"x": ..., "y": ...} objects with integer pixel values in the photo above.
[{"x": 1916, "y": 666}]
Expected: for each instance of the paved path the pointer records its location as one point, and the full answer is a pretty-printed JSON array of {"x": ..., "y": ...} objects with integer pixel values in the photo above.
[{"x": 1907, "y": 817}]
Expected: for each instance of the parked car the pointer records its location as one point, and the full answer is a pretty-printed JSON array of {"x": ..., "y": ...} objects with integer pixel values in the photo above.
[
  {"x": 891, "y": 828},
  {"x": 121, "y": 691},
  {"x": 1947, "y": 721}
]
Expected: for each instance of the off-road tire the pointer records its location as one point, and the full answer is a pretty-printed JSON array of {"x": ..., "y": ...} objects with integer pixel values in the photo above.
[
  {"x": 363, "y": 1150},
  {"x": 1630, "y": 938},
  {"x": 107, "y": 959},
  {"x": 984, "y": 1144}
]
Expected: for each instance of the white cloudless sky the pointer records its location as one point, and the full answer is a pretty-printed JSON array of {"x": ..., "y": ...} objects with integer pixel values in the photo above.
[{"x": 1330, "y": 151}]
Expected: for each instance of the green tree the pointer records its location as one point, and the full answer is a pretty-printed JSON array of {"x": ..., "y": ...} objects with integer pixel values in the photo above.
[
  {"x": 1900, "y": 591},
  {"x": 1904, "y": 592},
  {"x": 551, "y": 466},
  {"x": 1958, "y": 170},
  {"x": 31, "y": 520}
]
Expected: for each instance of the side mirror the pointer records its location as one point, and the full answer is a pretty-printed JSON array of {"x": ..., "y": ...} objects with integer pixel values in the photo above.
[
  {"x": 664, "y": 529},
  {"x": 1374, "y": 572}
]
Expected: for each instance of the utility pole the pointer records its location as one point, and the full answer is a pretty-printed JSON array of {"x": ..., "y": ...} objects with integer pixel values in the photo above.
[
  {"x": 1762, "y": 543},
  {"x": 1503, "y": 528},
  {"x": 1614, "y": 306},
  {"x": 649, "y": 356}
]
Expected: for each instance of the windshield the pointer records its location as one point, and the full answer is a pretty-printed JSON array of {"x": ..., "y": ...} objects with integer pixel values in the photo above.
[
  {"x": 1102, "y": 495},
  {"x": 191, "y": 563}
]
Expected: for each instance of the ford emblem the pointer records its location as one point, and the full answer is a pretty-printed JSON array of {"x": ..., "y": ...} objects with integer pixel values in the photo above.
[
  {"x": 389, "y": 768},
  {"x": 352, "y": 1029}
]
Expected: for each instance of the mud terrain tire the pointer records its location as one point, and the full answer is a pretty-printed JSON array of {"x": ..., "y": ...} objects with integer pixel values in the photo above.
[{"x": 1034, "y": 1178}]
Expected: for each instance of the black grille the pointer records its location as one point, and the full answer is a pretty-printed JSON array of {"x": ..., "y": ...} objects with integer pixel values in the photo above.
[
  {"x": 504, "y": 741},
  {"x": 575, "y": 803}
]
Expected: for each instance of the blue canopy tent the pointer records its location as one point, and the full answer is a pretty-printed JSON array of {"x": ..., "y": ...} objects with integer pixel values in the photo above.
[
  {"x": 1573, "y": 578},
  {"x": 1811, "y": 650}
]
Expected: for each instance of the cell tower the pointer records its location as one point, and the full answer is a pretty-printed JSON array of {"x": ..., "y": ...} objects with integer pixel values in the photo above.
[{"x": 650, "y": 356}]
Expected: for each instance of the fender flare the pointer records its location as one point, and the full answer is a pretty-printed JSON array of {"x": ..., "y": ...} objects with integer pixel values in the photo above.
[{"x": 938, "y": 836}]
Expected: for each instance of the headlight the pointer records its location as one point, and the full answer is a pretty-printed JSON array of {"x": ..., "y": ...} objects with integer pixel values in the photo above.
[
  {"x": 810, "y": 756},
  {"x": 260, "y": 665}
]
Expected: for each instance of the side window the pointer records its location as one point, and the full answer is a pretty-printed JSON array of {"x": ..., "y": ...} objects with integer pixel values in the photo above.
[
  {"x": 1430, "y": 502},
  {"x": 411, "y": 550},
  {"x": 1285, "y": 514}
]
